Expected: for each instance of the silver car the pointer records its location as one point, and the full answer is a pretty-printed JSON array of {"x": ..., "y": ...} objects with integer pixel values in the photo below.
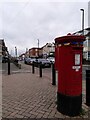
[{"x": 44, "y": 62}]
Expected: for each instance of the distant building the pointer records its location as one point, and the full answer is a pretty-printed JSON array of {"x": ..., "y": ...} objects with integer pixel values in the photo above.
[
  {"x": 3, "y": 49},
  {"x": 27, "y": 54},
  {"x": 44, "y": 51},
  {"x": 41, "y": 52},
  {"x": 48, "y": 48},
  {"x": 35, "y": 52},
  {"x": 86, "y": 43},
  {"x": 22, "y": 56}
]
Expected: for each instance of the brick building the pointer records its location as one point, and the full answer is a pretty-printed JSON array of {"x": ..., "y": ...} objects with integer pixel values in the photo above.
[
  {"x": 35, "y": 52},
  {"x": 3, "y": 49}
]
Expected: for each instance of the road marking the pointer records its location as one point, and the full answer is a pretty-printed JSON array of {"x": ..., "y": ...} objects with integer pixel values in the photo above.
[{"x": 21, "y": 71}]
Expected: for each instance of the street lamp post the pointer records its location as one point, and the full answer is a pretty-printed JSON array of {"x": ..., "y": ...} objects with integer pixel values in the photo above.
[
  {"x": 82, "y": 21},
  {"x": 15, "y": 51},
  {"x": 83, "y": 29},
  {"x": 38, "y": 47}
]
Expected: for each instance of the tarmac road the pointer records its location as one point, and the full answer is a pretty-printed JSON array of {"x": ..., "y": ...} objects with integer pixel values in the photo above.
[{"x": 28, "y": 68}]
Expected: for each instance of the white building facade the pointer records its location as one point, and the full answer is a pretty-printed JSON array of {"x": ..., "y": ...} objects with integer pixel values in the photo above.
[
  {"x": 48, "y": 48},
  {"x": 86, "y": 49}
]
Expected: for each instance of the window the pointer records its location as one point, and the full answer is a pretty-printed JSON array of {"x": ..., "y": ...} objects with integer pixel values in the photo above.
[{"x": 89, "y": 54}]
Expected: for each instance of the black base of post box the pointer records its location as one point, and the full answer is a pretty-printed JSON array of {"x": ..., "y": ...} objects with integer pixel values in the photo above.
[{"x": 69, "y": 105}]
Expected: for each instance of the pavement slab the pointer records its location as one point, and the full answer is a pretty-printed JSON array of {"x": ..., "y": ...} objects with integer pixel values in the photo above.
[{"x": 26, "y": 95}]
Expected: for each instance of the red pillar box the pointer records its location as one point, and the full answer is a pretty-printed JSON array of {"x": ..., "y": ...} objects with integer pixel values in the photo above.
[{"x": 68, "y": 62}]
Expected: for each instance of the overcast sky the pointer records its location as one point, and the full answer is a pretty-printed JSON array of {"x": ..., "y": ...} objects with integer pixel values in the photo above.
[{"x": 23, "y": 22}]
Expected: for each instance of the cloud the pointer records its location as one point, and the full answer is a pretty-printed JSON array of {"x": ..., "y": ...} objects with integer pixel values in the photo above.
[
  {"x": 25, "y": 22},
  {"x": 43, "y": 1}
]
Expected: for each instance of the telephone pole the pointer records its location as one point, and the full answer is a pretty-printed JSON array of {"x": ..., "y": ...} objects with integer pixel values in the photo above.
[
  {"x": 82, "y": 21},
  {"x": 38, "y": 47},
  {"x": 15, "y": 51}
]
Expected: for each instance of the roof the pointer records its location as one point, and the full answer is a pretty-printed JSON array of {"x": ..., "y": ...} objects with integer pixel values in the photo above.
[
  {"x": 35, "y": 48},
  {"x": 86, "y": 32}
]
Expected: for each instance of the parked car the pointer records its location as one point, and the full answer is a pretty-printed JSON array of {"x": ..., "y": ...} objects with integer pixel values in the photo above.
[
  {"x": 32, "y": 60},
  {"x": 44, "y": 62},
  {"x": 51, "y": 59},
  {"x": 27, "y": 60},
  {"x": 4, "y": 59}
]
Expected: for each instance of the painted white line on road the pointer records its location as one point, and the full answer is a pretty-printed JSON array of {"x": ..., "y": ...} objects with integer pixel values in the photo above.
[
  {"x": 2, "y": 70},
  {"x": 21, "y": 71},
  {"x": 86, "y": 65}
]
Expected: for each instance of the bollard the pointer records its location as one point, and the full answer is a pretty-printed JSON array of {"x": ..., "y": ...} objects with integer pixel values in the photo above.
[
  {"x": 33, "y": 71},
  {"x": 19, "y": 65},
  {"x": 40, "y": 70},
  {"x": 8, "y": 66},
  {"x": 53, "y": 75},
  {"x": 88, "y": 87}
]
